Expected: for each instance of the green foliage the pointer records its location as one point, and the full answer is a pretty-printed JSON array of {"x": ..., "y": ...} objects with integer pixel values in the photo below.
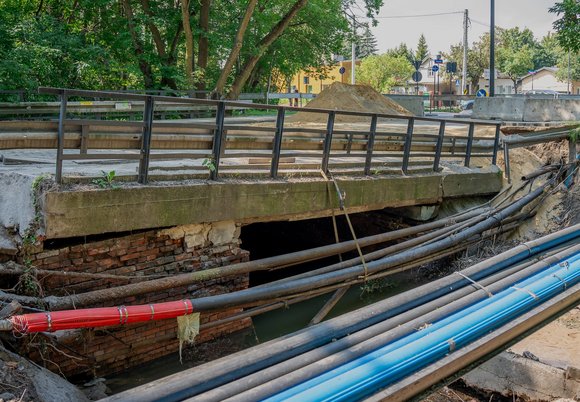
[
  {"x": 209, "y": 163},
  {"x": 107, "y": 180},
  {"x": 566, "y": 60},
  {"x": 568, "y": 25},
  {"x": 403, "y": 51},
  {"x": 515, "y": 62},
  {"x": 575, "y": 134},
  {"x": 422, "y": 48},
  {"x": 365, "y": 45},
  {"x": 383, "y": 72},
  {"x": 101, "y": 45}
]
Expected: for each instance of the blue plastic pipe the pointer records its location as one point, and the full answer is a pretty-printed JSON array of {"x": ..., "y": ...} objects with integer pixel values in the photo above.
[{"x": 369, "y": 373}]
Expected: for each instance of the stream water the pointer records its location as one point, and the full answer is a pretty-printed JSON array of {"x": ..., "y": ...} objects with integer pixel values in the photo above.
[{"x": 267, "y": 326}]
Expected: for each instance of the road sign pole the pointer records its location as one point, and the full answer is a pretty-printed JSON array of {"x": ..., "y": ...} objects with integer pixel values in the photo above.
[{"x": 434, "y": 84}]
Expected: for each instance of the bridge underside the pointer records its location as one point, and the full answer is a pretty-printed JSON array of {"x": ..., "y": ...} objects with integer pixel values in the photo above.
[{"x": 80, "y": 212}]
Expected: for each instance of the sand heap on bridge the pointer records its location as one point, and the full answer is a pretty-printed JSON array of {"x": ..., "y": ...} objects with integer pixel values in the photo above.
[{"x": 357, "y": 98}]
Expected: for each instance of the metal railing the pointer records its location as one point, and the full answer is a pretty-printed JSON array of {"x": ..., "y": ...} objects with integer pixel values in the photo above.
[
  {"x": 533, "y": 138},
  {"x": 366, "y": 145}
]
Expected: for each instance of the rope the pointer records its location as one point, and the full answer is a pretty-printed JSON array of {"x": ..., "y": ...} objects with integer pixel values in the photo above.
[
  {"x": 479, "y": 285},
  {"x": 561, "y": 280},
  {"x": 342, "y": 207},
  {"x": 334, "y": 225},
  {"x": 526, "y": 291}
]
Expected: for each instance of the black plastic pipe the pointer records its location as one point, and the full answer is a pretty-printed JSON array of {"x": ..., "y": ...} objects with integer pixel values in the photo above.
[
  {"x": 194, "y": 381},
  {"x": 296, "y": 370}
]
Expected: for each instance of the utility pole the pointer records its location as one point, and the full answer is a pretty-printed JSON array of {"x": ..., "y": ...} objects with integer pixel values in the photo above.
[
  {"x": 353, "y": 52},
  {"x": 492, "y": 50},
  {"x": 569, "y": 89},
  {"x": 464, "y": 69}
]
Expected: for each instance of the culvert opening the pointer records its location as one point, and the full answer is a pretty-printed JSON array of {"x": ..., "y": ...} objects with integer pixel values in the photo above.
[{"x": 270, "y": 239}]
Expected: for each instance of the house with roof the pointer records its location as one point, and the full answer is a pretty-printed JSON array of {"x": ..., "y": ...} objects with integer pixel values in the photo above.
[
  {"x": 503, "y": 84},
  {"x": 430, "y": 80},
  {"x": 545, "y": 79}
]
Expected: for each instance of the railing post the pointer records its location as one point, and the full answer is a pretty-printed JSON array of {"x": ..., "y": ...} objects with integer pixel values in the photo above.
[
  {"x": 146, "y": 140},
  {"x": 277, "y": 145},
  {"x": 469, "y": 144},
  {"x": 85, "y": 130},
  {"x": 60, "y": 136},
  {"x": 350, "y": 138},
  {"x": 439, "y": 146},
  {"x": 495, "y": 145},
  {"x": 371, "y": 144},
  {"x": 218, "y": 140},
  {"x": 328, "y": 141},
  {"x": 506, "y": 158},
  {"x": 407, "y": 146}
]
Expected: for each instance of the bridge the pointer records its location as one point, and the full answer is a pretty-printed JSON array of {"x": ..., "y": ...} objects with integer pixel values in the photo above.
[
  {"x": 270, "y": 170},
  {"x": 167, "y": 223}
]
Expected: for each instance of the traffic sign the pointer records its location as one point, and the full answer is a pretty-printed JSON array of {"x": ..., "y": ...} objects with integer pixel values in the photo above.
[
  {"x": 481, "y": 93},
  {"x": 438, "y": 61},
  {"x": 417, "y": 76},
  {"x": 435, "y": 69},
  {"x": 342, "y": 70},
  {"x": 417, "y": 64}
]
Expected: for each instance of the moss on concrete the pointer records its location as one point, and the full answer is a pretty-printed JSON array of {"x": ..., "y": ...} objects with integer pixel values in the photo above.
[{"x": 79, "y": 213}]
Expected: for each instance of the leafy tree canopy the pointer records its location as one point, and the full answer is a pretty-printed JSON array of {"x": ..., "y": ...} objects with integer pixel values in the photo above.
[
  {"x": 383, "y": 72},
  {"x": 119, "y": 44},
  {"x": 568, "y": 25}
]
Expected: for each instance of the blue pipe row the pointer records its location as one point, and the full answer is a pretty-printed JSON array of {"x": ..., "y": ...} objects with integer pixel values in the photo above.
[{"x": 367, "y": 374}]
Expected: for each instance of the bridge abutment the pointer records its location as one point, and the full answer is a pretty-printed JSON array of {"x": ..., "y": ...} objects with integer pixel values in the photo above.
[{"x": 152, "y": 254}]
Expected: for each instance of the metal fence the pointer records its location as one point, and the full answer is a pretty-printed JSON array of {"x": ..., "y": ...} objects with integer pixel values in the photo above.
[{"x": 218, "y": 140}]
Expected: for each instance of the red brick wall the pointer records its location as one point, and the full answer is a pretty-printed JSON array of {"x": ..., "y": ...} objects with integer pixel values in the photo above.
[{"x": 110, "y": 350}]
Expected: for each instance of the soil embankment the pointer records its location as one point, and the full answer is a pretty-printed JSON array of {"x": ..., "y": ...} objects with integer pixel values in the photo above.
[{"x": 354, "y": 98}]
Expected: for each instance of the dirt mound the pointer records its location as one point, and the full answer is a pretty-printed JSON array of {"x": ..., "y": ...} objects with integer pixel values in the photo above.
[{"x": 356, "y": 98}]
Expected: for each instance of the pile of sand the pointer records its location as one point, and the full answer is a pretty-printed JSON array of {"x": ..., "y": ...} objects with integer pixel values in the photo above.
[{"x": 357, "y": 98}]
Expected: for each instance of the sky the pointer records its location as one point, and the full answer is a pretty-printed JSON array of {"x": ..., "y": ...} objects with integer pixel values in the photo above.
[{"x": 443, "y": 30}]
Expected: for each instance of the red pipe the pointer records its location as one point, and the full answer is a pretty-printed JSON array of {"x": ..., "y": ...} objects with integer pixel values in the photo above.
[{"x": 99, "y": 317}]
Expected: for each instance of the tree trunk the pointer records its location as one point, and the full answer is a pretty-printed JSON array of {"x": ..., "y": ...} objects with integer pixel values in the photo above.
[
  {"x": 188, "y": 43},
  {"x": 238, "y": 42},
  {"x": 144, "y": 65},
  {"x": 261, "y": 48},
  {"x": 203, "y": 44}
]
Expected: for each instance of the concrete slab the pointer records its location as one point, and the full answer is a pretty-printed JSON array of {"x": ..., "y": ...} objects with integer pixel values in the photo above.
[
  {"x": 86, "y": 210},
  {"x": 513, "y": 375}
]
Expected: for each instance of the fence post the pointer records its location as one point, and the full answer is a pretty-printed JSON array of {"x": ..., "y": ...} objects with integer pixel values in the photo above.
[
  {"x": 469, "y": 144},
  {"x": 146, "y": 140},
  {"x": 218, "y": 140},
  {"x": 85, "y": 130},
  {"x": 439, "y": 146},
  {"x": 328, "y": 141},
  {"x": 506, "y": 158},
  {"x": 407, "y": 146},
  {"x": 371, "y": 145},
  {"x": 60, "y": 136},
  {"x": 495, "y": 145},
  {"x": 277, "y": 145}
]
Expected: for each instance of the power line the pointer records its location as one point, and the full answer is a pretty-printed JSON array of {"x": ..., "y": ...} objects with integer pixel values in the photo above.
[
  {"x": 479, "y": 22},
  {"x": 419, "y": 15}
]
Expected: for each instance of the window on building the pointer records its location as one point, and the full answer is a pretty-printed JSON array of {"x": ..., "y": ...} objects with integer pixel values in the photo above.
[
  {"x": 306, "y": 80},
  {"x": 308, "y": 89}
]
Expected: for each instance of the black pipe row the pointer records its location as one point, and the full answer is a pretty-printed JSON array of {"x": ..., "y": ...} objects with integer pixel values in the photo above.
[{"x": 186, "y": 384}]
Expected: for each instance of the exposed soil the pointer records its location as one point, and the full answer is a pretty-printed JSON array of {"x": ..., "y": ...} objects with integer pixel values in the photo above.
[
  {"x": 356, "y": 98},
  {"x": 21, "y": 380}
]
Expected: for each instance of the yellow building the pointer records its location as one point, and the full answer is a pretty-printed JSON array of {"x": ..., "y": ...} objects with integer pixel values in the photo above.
[{"x": 314, "y": 82}]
